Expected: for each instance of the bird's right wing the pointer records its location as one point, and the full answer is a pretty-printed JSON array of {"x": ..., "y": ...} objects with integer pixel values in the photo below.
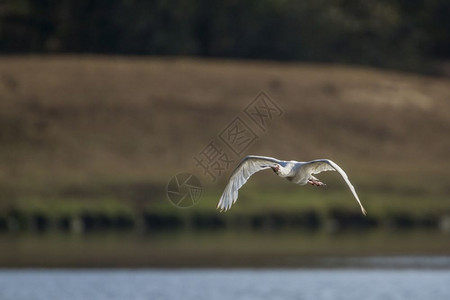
[
  {"x": 246, "y": 168},
  {"x": 321, "y": 165}
]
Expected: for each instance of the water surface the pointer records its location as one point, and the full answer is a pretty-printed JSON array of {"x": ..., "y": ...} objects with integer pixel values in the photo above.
[{"x": 217, "y": 284}]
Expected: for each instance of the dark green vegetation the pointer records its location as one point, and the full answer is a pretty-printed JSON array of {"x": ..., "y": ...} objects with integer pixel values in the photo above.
[
  {"x": 258, "y": 210},
  {"x": 401, "y": 34}
]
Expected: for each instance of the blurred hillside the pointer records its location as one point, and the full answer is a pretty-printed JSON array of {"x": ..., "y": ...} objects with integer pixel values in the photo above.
[{"x": 79, "y": 120}]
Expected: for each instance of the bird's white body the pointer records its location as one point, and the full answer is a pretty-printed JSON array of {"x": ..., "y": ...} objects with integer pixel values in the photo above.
[{"x": 297, "y": 172}]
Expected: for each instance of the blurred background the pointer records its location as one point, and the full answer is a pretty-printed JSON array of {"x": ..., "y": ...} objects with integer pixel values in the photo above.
[{"x": 103, "y": 102}]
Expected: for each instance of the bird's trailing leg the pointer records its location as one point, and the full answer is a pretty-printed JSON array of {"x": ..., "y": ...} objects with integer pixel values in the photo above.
[{"x": 315, "y": 181}]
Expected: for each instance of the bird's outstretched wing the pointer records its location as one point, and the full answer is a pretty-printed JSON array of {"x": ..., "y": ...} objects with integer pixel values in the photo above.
[
  {"x": 246, "y": 168},
  {"x": 321, "y": 165}
]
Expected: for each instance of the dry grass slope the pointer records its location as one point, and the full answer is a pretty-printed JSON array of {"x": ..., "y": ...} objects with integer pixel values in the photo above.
[{"x": 81, "y": 120}]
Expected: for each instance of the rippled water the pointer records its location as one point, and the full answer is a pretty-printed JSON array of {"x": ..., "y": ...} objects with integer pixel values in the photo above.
[{"x": 233, "y": 284}]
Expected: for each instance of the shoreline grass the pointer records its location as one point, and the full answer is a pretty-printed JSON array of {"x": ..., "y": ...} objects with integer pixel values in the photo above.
[{"x": 269, "y": 209}]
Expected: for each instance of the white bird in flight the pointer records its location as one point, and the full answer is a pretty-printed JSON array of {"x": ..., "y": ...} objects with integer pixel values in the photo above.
[{"x": 297, "y": 172}]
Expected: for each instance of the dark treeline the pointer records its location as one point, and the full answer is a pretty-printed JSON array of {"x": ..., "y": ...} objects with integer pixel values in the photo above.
[{"x": 403, "y": 34}]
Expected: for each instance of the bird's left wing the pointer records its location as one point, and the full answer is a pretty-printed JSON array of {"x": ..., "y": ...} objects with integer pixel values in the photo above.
[
  {"x": 246, "y": 168},
  {"x": 321, "y": 165}
]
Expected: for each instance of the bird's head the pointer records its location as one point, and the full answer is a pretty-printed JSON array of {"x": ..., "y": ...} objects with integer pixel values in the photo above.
[
  {"x": 276, "y": 169},
  {"x": 283, "y": 169}
]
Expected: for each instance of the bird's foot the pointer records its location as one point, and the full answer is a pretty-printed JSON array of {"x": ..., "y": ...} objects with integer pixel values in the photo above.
[{"x": 316, "y": 182}]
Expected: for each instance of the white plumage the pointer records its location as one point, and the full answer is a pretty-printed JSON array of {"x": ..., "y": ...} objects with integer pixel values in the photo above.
[{"x": 297, "y": 172}]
